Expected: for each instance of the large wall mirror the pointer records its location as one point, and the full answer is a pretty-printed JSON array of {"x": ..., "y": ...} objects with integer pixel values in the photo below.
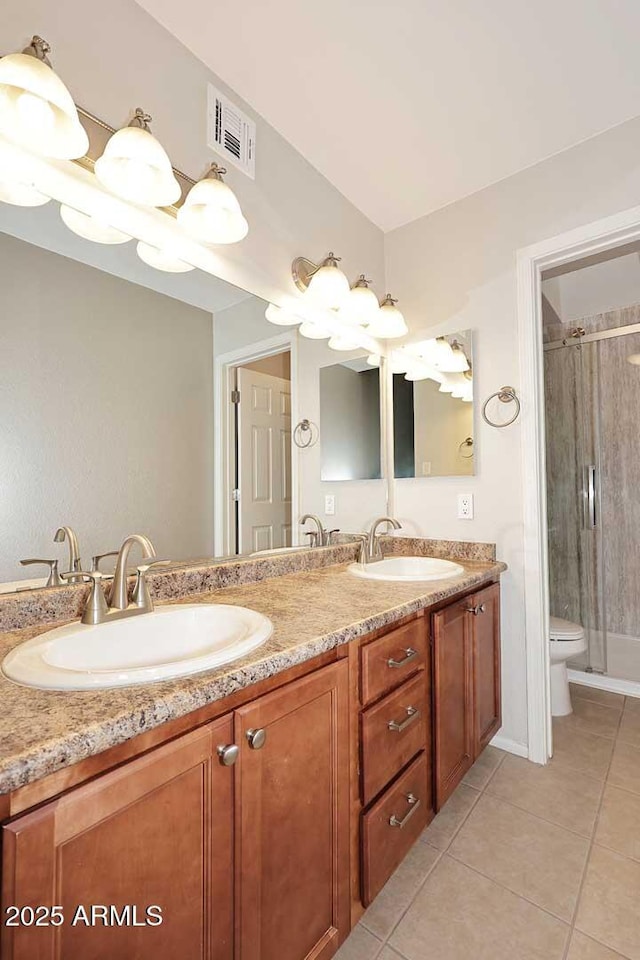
[
  {"x": 107, "y": 404},
  {"x": 433, "y": 415},
  {"x": 350, "y": 421}
]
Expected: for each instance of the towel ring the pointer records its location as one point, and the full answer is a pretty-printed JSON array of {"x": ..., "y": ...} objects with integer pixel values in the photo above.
[
  {"x": 305, "y": 434},
  {"x": 467, "y": 442},
  {"x": 504, "y": 395}
]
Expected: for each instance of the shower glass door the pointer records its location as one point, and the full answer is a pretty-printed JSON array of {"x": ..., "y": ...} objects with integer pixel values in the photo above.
[{"x": 592, "y": 397}]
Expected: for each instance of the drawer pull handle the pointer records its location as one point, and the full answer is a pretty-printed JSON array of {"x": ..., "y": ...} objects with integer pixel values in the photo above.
[
  {"x": 414, "y": 803},
  {"x": 412, "y": 714},
  {"x": 410, "y": 654}
]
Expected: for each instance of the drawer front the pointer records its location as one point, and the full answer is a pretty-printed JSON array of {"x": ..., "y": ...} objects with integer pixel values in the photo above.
[
  {"x": 393, "y": 825},
  {"x": 389, "y": 660},
  {"x": 393, "y": 732}
]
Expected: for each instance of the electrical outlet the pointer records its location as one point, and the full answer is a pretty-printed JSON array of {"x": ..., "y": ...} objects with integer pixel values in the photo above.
[
  {"x": 465, "y": 506},
  {"x": 329, "y": 505}
]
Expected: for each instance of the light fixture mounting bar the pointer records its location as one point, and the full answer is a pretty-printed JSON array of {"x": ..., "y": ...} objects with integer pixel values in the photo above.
[{"x": 302, "y": 269}]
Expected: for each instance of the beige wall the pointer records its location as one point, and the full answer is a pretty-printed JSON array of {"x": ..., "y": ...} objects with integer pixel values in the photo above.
[
  {"x": 442, "y": 422},
  {"x": 106, "y": 412},
  {"x": 457, "y": 267}
]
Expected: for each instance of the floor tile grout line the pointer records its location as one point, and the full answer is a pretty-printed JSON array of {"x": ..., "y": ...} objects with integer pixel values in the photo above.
[
  {"x": 553, "y": 823},
  {"x": 412, "y": 899},
  {"x": 589, "y": 855},
  {"x": 513, "y": 893}
]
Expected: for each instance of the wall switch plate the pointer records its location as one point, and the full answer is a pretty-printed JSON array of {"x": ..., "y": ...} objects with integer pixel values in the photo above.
[
  {"x": 329, "y": 505},
  {"x": 426, "y": 468},
  {"x": 465, "y": 506}
]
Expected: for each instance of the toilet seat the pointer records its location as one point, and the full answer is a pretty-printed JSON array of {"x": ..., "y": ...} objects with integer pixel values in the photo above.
[{"x": 560, "y": 629}]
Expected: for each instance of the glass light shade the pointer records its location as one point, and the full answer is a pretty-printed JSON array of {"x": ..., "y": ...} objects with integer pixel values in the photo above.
[
  {"x": 454, "y": 383},
  {"x": 211, "y": 213},
  {"x": 343, "y": 342},
  {"x": 313, "y": 331},
  {"x": 136, "y": 167},
  {"x": 91, "y": 228},
  {"x": 36, "y": 109},
  {"x": 457, "y": 360},
  {"x": 20, "y": 194},
  {"x": 361, "y": 306},
  {"x": 328, "y": 287},
  {"x": 389, "y": 322},
  {"x": 373, "y": 360},
  {"x": 437, "y": 352},
  {"x": 447, "y": 384},
  {"x": 422, "y": 371},
  {"x": 280, "y": 316},
  {"x": 162, "y": 259}
]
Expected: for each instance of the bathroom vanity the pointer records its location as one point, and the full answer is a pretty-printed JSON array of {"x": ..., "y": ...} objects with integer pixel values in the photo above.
[{"x": 276, "y": 796}]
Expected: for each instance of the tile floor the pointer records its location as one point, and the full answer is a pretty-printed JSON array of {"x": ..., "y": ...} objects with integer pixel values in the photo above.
[{"x": 526, "y": 862}]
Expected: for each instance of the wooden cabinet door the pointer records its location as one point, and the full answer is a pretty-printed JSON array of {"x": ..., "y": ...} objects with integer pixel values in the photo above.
[
  {"x": 142, "y": 835},
  {"x": 452, "y": 697},
  {"x": 292, "y": 828},
  {"x": 486, "y": 666}
]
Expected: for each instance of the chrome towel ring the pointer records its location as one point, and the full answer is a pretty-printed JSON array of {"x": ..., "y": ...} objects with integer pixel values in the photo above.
[
  {"x": 305, "y": 434},
  {"x": 504, "y": 395},
  {"x": 467, "y": 444}
]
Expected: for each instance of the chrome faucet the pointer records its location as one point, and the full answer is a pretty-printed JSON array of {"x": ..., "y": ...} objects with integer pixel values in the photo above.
[
  {"x": 371, "y": 549},
  {"x": 68, "y": 534}
]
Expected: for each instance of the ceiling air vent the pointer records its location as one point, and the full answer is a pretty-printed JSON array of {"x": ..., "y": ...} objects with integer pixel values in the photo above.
[{"x": 230, "y": 132}]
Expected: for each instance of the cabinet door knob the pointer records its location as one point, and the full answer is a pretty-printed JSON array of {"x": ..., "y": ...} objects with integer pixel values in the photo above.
[
  {"x": 256, "y": 738},
  {"x": 228, "y": 754},
  {"x": 479, "y": 608}
]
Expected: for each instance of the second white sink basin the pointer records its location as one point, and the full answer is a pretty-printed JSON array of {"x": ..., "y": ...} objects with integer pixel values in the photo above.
[
  {"x": 407, "y": 569},
  {"x": 173, "y": 641}
]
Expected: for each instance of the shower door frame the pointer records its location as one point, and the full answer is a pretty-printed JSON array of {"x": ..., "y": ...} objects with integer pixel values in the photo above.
[{"x": 593, "y": 238}]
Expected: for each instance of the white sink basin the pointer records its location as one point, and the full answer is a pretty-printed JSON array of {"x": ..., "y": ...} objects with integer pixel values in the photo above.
[
  {"x": 173, "y": 641},
  {"x": 406, "y": 569}
]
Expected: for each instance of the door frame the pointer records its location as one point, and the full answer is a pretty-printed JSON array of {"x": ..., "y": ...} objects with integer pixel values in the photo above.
[
  {"x": 223, "y": 366},
  {"x": 596, "y": 237}
]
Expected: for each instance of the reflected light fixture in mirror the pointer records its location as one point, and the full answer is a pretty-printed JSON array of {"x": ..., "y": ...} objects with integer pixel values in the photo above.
[
  {"x": 389, "y": 322},
  {"x": 91, "y": 228},
  {"x": 136, "y": 167},
  {"x": 314, "y": 331},
  {"x": 361, "y": 306},
  {"x": 36, "y": 109},
  {"x": 343, "y": 342},
  {"x": 325, "y": 284},
  {"x": 162, "y": 259},
  {"x": 211, "y": 211},
  {"x": 281, "y": 317},
  {"x": 20, "y": 194}
]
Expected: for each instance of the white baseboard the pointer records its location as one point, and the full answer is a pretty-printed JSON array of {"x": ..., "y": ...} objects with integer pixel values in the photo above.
[{"x": 511, "y": 746}]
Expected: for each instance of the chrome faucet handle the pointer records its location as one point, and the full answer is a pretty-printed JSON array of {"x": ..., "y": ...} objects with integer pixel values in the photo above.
[
  {"x": 363, "y": 554},
  {"x": 313, "y": 537},
  {"x": 96, "y": 609},
  {"x": 141, "y": 596},
  {"x": 99, "y": 557},
  {"x": 330, "y": 534},
  {"x": 54, "y": 577}
]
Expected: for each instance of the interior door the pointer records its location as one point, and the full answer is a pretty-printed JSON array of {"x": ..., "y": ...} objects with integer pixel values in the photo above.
[{"x": 264, "y": 461}]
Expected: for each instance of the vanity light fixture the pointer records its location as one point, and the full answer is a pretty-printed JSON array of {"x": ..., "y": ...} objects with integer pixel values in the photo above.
[
  {"x": 36, "y": 109},
  {"x": 136, "y": 167},
  {"x": 211, "y": 211},
  {"x": 325, "y": 283},
  {"x": 361, "y": 306},
  {"x": 281, "y": 317},
  {"x": 20, "y": 194},
  {"x": 162, "y": 259},
  {"x": 91, "y": 227},
  {"x": 313, "y": 331},
  {"x": 343, "y": 342},
  {"x": 389, "y": 322},
  {"x": 457, "y": 361}
]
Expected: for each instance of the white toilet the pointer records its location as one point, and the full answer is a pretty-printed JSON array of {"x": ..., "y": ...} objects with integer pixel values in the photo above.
[{"x": 566, "y": 641}]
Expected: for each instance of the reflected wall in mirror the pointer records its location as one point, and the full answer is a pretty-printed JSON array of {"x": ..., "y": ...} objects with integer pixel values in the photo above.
[
  {"x": 350, "y": 421},
  {"x": 433, "y": 415},
  {"x": 107, "y": 403}
]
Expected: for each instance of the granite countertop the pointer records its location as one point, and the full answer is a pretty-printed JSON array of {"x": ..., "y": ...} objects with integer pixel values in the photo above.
[{"x": 313, "y": 611}]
